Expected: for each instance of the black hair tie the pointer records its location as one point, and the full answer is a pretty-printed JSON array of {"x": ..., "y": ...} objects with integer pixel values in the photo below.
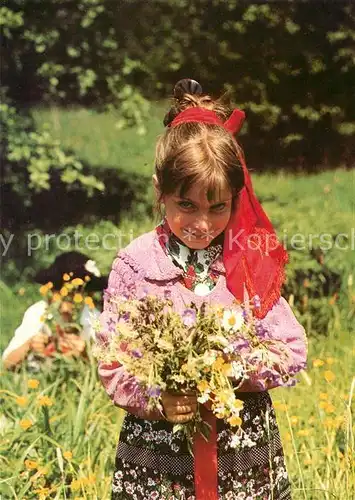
[{"x": 187, "y": 86}]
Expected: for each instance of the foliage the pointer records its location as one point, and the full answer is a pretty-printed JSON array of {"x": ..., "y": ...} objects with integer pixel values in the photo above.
[
  {"x": 290, "y": 66},
  {"x": 30, "y": 158}
]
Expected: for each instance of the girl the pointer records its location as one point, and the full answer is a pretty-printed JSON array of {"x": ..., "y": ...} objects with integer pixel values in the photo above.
[
  {"x": 31, "y": 337},
  {"x": 214, "y": 245}
]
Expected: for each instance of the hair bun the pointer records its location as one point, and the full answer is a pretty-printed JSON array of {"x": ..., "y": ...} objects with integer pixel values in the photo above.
[{"x": 187, "y": 86}]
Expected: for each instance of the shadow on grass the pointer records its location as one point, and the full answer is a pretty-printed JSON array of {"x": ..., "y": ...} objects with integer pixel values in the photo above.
[{"x": 63, "y": 205}]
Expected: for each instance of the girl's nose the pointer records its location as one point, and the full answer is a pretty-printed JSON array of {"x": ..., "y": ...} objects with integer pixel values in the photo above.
[{"x": 203, "y": 225}]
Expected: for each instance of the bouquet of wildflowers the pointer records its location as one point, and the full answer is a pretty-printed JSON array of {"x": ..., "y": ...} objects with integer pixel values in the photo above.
[
  {"x": 62, "y": 314},
  {"x": 209, "y": 350}
]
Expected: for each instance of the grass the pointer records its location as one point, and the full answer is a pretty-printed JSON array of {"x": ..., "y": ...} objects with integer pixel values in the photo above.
[{"x": 96, "y": 139}]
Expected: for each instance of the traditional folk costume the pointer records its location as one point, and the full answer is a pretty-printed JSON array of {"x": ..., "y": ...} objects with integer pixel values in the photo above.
[{"x": 152, "y": 462}]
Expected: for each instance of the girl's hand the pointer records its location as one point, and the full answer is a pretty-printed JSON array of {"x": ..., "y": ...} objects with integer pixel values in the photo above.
[
  {"x": 179, "y": 408},
  {"x": 71, "y": 344},
  {"x": 38, "y": 343}
]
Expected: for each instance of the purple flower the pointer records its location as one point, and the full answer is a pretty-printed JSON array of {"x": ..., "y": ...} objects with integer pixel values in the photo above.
[
  {"x": 189, "y": 317},
  {"x": 260, "y": 331},
  {"x": 240, "y": 343},
  {"x": 136, "y": 353},
  {"x": 153, "y": 392},
  {"x": 126, "y": 316},
  {"x": 111, "y": 323}
]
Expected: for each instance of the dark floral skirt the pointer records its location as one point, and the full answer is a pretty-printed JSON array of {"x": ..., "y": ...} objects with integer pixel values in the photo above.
[{"x": 152, "y": 463}]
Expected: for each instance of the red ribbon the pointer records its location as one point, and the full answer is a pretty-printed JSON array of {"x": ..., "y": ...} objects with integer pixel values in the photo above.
[{"x": 205, "y": 463}]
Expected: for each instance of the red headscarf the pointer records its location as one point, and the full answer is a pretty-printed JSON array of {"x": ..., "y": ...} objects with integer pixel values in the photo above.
[{"x": 252, "y": 253}]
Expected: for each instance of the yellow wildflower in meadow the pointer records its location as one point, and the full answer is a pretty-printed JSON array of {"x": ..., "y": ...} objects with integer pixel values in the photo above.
[
  {"x": 63, "y": 291},
  {"x": 22, "y": 400},
  {"x": 66, "y": 277},
  {"x": 78, "y": 298},
  {"x": 31, "y": 464},
  {"x": 317, "y": 363},
  {"x": 32, "y": 383},
  {"x": 294, "y": 420},
  {"x": 68, "y": 455},
  {"x": 45, "y": 401},
  {"x": 77, "y": 282},
  {"x": 329, "y": 376},
  {"x": 89, "y": 302},
  {"x": 25, "y": 423}
]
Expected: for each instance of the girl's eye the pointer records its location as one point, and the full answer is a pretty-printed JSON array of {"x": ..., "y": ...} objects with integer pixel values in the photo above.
[
  {"x": 185, "y": 204},
  {"x": 219, "y": 208}
]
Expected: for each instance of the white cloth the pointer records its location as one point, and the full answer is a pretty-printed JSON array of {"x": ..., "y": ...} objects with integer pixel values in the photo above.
[{"x": 32, "y": 324}]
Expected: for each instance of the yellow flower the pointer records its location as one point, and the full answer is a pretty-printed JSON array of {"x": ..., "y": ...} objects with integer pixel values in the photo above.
[
  {"x": 317, "y": 363},
  {"x": 278, "y": 405},
  {"x": 77, "y": 282},
  {"x": 76, "y": 484},
  {"x": 203, "y": 386},
  {"x": 45, "y": 401},
  {"x": 21, "y": 291},
  {"x": 56, "y": 297},
  {"x": 330, "y": 408},
  {"x": 68, "y": 455},
  {"x": 31, "y": 464},
  {"x": 89, "y": 302},
  {"x": 49, "y": 285},
  {"x": 87, "y": 278},
  {"x": 330, "y": 361},
  {"x": 25, "y": 424},
  {"x": 303, "y": 432},
  {"x": 63, "y": 291},
  {"x": 32, "y": 383},
  {"x": 78, "y": 298},
  {"x": 227, "y": 369},
  {"x": 217, "y": 365},
  {"x": 43, "y": 290},
  {"x": 329, "y": 376},
  {"x": 22, "y": 401},
  {"x": 307, "y": 461},
  {"x": 238, "y": 404},
  {"x": 66, "y": 277},
  {"x": 323, "y": 404},
  {"x": 323, "y": 395},
  {"x": 234, "y": 421},
  {"x": 294, "y": 420}
]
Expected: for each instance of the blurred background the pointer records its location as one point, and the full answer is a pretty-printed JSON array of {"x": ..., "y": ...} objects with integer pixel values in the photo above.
[{"x": 84, "y": 88}]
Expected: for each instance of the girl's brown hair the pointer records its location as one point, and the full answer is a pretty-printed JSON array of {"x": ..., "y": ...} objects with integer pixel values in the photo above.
[{"x": 197, "y": 152}]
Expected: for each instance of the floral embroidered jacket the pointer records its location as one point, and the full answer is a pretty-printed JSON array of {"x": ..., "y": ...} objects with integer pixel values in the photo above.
[{"x": 144, "y": 265}]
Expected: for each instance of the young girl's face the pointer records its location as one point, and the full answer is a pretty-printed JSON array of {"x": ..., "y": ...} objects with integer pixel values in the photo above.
[{"x": 194, "y": 219}]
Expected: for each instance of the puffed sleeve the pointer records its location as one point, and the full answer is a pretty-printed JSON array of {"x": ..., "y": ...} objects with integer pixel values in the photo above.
[
  {"x": 281, "y": 325},
  {"x": 119, "y": 385}
]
